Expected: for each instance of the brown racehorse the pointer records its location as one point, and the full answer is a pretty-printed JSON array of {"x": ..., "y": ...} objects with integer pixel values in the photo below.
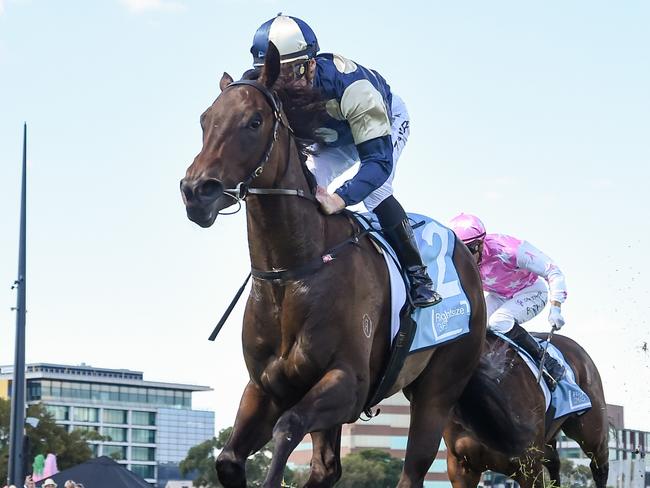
[
  {"x": 315, "y": 336},
  {"x": 503, "y": 389}
]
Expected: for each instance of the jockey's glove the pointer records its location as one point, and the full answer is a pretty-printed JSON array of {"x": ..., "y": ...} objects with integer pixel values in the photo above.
[{"x": 555, "y": 317}]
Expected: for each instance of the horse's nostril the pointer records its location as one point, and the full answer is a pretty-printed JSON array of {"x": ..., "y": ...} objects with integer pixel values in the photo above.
[
  {"x": 187, "y": 191},
  {"x": 209, "y": 190}
]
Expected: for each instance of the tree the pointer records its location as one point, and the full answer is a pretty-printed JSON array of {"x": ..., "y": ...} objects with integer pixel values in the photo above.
[
  {"x": 200, "y": 462},
  {"x": 5, "y": 409},
  {"x": 370, "y": 468},
  {"x": 71, "y": 448},
  {"x": 575, "y": 476}
]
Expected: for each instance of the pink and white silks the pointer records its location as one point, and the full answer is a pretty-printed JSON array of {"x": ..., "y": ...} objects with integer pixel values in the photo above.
[{"x": 513, "y": 273}]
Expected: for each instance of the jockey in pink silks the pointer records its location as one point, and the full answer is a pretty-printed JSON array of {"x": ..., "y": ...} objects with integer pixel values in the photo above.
[{"x": 515, "y": 274}]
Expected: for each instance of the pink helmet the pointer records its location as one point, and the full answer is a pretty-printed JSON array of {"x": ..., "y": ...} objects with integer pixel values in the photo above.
[{"x": 468, "y": 227}]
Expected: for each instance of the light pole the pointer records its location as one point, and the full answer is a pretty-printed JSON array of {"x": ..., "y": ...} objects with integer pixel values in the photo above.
[{"x": 17, "y": 429}]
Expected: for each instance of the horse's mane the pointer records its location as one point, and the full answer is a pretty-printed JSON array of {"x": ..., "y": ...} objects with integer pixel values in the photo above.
[{"x": 304, "y": 107}]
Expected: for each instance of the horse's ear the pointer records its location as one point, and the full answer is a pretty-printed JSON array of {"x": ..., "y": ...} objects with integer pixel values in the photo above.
[
  {"x": 226, "y": 80},
  {"x": 271, "y": 68}
]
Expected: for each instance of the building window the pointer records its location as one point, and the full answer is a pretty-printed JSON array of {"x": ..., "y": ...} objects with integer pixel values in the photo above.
[
  {"x": 187, "y": 399},
  {"x": 55, "y": 389},
  {"x": 85, "y": 414},
  {"x": 166, "y": 397},
  {"x": 124, "y": 394},
  {"x": 114, "y": 416},
  {"x": 86, "y": 428},
  {"x": 143, "y": 454},
  {"x": 143, "y": 436},
  {"x": 143, "y": 418},
  {"x": 33, "y": 391},
  {"x": 118, "y": 453},
  {"x": 115, "y": 434},
  {"x": 58, "y": 412},
  {"x": 571, "y": 452},
  {"x": 140, "y": 395},
  {"x": 146, "y": 471},
  {"x": 69, "y": 389},
  {"x": 99, "y": 392},
  {"x": 82, "y": 390},
  {"x": 46, "y": 388},
  {"x": 178, "y": 399}
]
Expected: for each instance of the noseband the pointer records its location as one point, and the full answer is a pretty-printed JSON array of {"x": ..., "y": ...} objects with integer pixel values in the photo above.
[{"x": 242, "y": 190}]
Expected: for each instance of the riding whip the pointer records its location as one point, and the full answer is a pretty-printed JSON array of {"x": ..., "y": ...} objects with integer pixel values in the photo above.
[
  {"x": 541, "y": 361},
  {"x": 226, "y": 314}
]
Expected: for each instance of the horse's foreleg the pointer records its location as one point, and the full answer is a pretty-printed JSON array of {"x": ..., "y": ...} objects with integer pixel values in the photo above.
[
  {"x": 330, "y": 402},
  {"x": 590, "y": 432},
  {"x": 461, "y": 476},
  {"x": 552, "y": 462},
  {"x": 531, "y": 475},
  {"x": 425, "y": 432},
  {"x": 326, "y": 458},
  {"x": 252, "y": 430},
  {"x": 529, "y": 468},
  {"x": 600, "y": 472},
  {"x": 432, "y": 396}
]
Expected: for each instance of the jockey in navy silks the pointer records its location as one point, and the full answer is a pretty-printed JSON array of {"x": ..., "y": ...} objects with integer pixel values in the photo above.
[{"x": 367, "y": 123}]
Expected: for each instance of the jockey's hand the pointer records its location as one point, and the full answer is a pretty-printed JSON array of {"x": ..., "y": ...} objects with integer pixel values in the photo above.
[
  {"x": 331, "y": 203},
  {"x": 555, "y": 317}
]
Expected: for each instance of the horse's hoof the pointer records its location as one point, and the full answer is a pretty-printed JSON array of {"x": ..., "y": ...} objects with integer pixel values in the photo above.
[{"x": 231, "y": 473}]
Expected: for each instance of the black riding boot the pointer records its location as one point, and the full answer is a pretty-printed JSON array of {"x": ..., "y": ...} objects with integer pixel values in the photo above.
[
  {"x": 399, "y": 234},
  {"x": 522, "y": 338},
  {"x": 402, "y": 240}
]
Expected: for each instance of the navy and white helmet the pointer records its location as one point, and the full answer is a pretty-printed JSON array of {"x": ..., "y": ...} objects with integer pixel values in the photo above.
[{"x": 294, "y": 39}]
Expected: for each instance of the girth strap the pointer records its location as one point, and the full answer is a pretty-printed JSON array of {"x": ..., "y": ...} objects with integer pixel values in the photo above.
[{"x": 311, "y": 266}]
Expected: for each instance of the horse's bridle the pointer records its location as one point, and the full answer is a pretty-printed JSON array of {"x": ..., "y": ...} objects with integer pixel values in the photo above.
[{"x": 242, "y": 190}]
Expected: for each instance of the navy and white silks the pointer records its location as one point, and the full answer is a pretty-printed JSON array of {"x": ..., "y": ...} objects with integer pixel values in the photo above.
[{"x": 367, "y": 124}]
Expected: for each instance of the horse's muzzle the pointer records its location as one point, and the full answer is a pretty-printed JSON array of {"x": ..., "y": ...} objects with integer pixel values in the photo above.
[{"x": 201, "y": 197}]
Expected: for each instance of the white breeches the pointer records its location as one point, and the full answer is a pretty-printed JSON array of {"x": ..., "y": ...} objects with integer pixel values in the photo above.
[{"x": 524, "y": 305}]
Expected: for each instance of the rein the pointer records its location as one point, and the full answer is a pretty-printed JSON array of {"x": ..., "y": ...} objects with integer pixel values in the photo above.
[
  {"x": 310, "y": 267},
  {"x": 242, "y": 190},
  {"x": 292, "y": 274}
]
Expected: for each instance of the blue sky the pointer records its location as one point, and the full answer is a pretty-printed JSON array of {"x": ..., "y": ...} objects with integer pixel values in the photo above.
[{"x": 535, "y": 116}]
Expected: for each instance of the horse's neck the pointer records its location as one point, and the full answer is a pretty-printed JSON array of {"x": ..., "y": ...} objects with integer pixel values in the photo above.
[{"x": 284, "y": 231}]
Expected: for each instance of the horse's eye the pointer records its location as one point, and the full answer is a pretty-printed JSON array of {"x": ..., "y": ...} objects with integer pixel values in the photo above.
[{"x": 255, "y": 124}]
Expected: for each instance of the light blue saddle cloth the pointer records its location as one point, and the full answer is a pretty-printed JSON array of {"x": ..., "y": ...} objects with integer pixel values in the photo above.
[
  {"x": 450, "y": 318},
  {"x": 568, "y": 398}
]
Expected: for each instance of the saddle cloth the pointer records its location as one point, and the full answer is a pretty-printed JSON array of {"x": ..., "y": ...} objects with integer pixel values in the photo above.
[
  {"x": 447, "y": 320},
  {"x": 568, "y": 397}
]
